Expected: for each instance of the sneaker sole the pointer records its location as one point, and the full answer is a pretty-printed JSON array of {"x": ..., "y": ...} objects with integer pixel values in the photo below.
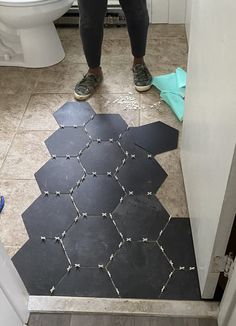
[
  {"x": 142, "y": 88},
  {"x": 81, "y": 97}
]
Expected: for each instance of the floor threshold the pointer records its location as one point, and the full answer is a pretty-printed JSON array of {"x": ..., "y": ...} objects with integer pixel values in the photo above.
[{"x": 131, "y": 307}]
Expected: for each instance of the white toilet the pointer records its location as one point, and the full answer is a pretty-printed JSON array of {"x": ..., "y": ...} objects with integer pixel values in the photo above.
[{"x": 28, "y": 37}]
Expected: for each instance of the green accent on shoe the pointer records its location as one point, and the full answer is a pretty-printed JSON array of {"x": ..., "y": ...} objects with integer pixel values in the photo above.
[
  {"x": 142, "y": 77},
  {"x": 87, "y": 86}
]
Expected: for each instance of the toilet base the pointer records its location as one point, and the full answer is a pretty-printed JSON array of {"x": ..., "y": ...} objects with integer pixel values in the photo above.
[{"x": 40, "y": 47}]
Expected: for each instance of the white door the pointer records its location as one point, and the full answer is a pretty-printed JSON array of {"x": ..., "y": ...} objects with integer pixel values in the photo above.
[
  {"x": 13, "y": 295},
  {"x": 209, "y": 134}
]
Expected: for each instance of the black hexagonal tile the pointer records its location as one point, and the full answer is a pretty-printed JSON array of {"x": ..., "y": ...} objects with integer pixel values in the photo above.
[
  {"x": 97, "y": 195},
  {"x": 59, "y": 174},
  {"x": 177, "y": 242},
  {"x": 102, "y": 157},
  {"x": 140, "y": 217},
  {"x": 156, "y": 137},
  {"x": 49, "y": 216},
  {"x": 74, "y": 114},
  {"x": 86, "y": 282},
  {"x": 106, "y": 126},
  {"x": 41, "y": 265},
  {"x": 183, "y": 285},
  {"x": 91, "y": 241},
  {"x": 141, "y": 175},
  {"x": 127, "y": 142},
  {"x": 67, "y": 141},
  {"x": 139, "y": 270}
]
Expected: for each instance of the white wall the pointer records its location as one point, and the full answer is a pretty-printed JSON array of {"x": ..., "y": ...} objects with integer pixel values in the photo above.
[
  {"x": 209, "y": 133},
  {"x": 188, "y": 14}
]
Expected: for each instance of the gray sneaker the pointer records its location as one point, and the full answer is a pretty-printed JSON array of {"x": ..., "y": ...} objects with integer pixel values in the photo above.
[
  {"x": 87, "y": 86},
  {"x": 142, "y": 77}
]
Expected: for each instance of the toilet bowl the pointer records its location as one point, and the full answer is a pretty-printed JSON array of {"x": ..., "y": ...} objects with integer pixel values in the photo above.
[{"x": 28, "y": 37}]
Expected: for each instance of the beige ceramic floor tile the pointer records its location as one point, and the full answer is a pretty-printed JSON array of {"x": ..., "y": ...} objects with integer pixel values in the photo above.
[
  {"x": 60, "y": 78},
  {"x": 12, "y": 109},
  {"x": 152, "y": 110},
  {"x": 26, "y": 155},
  {"x": 73, "y": 49},
  {"x": 167, "y": 51},
  {"x": 172, "y": 192},
  {"x": 5, "y": 141},
  {"x": 12, "y": 250},
  {"x": 166, "y": 30},
  {"x": 39, "y": 113},
  {"x": 19, "y": 194},
  {"x": 127, "y": 105},
  {"x": 14, "y": 80}
]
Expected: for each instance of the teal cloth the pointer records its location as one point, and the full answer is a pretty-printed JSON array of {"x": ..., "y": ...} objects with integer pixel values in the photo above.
[{"x": 172, "y": 87}]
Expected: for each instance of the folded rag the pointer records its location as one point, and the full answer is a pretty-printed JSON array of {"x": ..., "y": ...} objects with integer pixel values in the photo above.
[{"x": 172, "y": 87}]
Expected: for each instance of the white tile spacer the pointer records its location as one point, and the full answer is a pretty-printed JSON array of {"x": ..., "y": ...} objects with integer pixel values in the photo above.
[
  {"x": 76, "y": 219},
  {"x": 52, "y": 290},
  {"x": 111, "y": 140},
  {"x": 75, "y": 126},
  {"x": 101, "y": 266},
  {"x": 62, "y": 126},
  {"x": 63, "y": 234},
  {"x": 149, "y": 193},
  {"x": 111, "y": 257},
  {"x": 104, "y": 214},
  {"x": 160, "y": 233},
  {"x": 120, "y": 244},
  {"x": 58, "y": 193},
  {"x": 90, "y": 137},
  {"x": 69, "y": 268},
  {"x": 192, "y": 268},
  {"x": 54, "y": 156},
  {"x": 80, "y": 152},
  {"x": 126, "y": 153},
  {"x": 83, "y": 178},
  {"x": 84, "y": 124},
  {"x": 46, "y": 193},
  {"x": 171, "y": 262},
  {"x": 163, "y": 289},
  {"x": 94, "y": 174},
  {"x": 110, "y": 214},
  {"x": 77, "y": 266},
  {"x": 71, "y": 191},
  {"x": 116, "y": 178},
  {"x": 181, "y": 268},
  {"x": 98, "y": 140},
  {"x": 123, "y": 188},
  {"x": 109, "y": 174},
  {"x": 128, "y": 239},
  {"x": 43, "y": 238},
  {"x": 117, "y": 291},
  {"x": 78, "y": 183},
  {"x": 162, "y": 249},
  {"x": 145, "y": 240},
  {"x": 67, "y": 156},
  {"x": 117, "y": 168},
  {"x": 123, "y": 161},
  {"x": 84, "y": 214},
  {"x": 87, "y": 145},
  {"x": 149, "y": 156},
  {"x": 120, "y": 136},
  {"x": 121, "y": 200},
  {"x": 131, "y": 193},
  {"x": 109, "y": 274},
  {"x": 57, "y": 239},
  {"x": 133, "y": 156}
]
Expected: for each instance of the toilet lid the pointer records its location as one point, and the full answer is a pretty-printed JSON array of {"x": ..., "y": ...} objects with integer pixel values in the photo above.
[{"x": 22, "y": 3}]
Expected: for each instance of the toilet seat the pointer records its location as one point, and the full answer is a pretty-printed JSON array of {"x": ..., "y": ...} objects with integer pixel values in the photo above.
[{"x": 24, "y": 3}]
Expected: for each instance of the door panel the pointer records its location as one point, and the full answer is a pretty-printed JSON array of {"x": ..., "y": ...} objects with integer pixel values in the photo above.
[
  {"x": 8, "y": 316},
  {"x": 209, "y": 133}
]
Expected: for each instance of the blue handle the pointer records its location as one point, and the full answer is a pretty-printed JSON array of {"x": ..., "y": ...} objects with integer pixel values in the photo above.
[{"x": 2, "y": 202}]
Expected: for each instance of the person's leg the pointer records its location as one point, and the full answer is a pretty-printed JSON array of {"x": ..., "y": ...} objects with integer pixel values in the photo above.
[
  {"x": 137, "y": 22},
  {"x": 92, "y": 13}
]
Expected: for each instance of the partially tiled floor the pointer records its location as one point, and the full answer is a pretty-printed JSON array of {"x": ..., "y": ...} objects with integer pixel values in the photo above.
[{"x": 101, "y": 245}]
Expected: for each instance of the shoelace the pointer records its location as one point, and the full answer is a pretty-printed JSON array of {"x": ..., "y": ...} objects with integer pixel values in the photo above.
[
  {"x": 88, "y": 82},
  {"x": 142, "y": 72}
]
